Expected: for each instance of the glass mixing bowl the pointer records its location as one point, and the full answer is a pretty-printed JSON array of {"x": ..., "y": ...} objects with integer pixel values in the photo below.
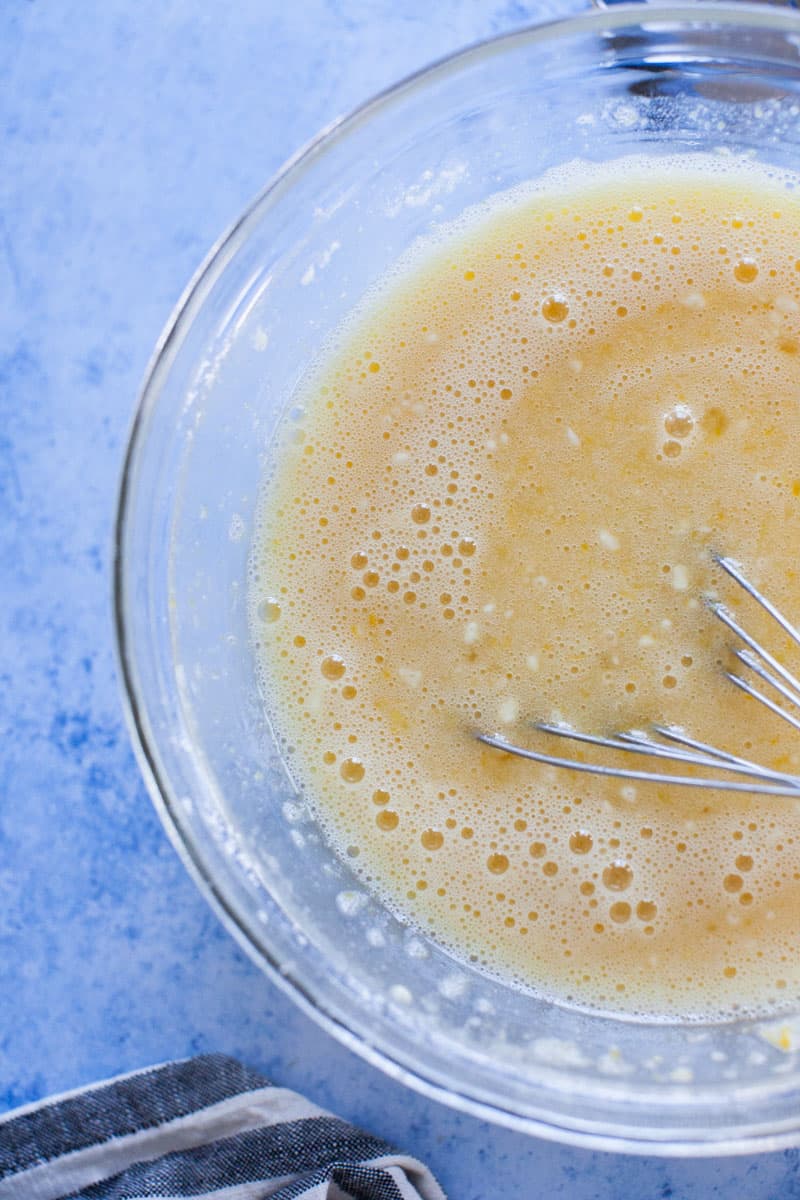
[{"x": 653, "y": 80}]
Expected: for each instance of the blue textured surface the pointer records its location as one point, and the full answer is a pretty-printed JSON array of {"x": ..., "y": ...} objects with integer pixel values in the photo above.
[{"x": 130, "y": 135}]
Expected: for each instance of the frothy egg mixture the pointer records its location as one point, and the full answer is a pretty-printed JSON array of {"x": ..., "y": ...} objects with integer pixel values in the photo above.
[{"x": 500, "y": 506}]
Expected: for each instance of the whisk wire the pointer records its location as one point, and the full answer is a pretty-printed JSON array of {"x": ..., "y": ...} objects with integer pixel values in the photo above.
[
  {"x": 765, "y": 789},
  {"x": 748, "y": 688},
  {"x": 723, "y": 756},
  {"x": 680, "y": 748},
  {"x": 637, "y": 742},
  {"x": 752, "y": 662},
  {"x": 735, "y": 571},
  {"x": 722, "y": 613}
]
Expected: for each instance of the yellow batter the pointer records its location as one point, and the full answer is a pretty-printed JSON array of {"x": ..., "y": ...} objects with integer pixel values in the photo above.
[{"x": 500, "y": 507}]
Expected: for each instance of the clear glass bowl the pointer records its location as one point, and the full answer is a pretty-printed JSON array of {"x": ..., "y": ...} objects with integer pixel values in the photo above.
[{"x": 629, "y": 79}]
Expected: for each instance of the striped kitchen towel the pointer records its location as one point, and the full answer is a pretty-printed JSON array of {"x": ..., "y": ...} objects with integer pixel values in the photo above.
[{"x": 204, "y": 1127}]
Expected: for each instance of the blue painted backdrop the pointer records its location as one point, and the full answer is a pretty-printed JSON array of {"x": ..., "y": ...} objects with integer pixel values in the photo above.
[{"x": 130, "y": 135}]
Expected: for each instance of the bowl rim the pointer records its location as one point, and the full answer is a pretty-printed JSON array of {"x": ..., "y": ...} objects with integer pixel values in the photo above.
[{"x": 672, "y": 1143}]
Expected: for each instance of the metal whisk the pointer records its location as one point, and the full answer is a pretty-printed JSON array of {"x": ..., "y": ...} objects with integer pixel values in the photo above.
[{"x": 673, "y": 743}]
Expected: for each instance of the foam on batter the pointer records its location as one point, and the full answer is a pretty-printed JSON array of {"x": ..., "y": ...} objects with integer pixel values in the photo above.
[{"x": 500, "y": 506}]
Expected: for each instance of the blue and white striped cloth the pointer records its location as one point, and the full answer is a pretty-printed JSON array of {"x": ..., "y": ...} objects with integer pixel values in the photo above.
[{"x": 202, "y": 1128}]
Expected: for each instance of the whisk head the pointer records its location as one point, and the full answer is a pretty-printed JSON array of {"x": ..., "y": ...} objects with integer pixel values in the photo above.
[{"x": 730, "y": 772}]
